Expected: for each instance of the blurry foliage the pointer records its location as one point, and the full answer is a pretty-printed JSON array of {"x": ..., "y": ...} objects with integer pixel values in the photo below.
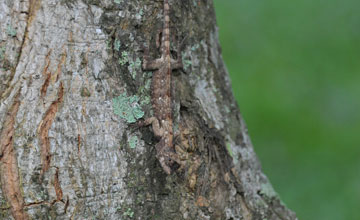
[{"x": 295, "y": 69}]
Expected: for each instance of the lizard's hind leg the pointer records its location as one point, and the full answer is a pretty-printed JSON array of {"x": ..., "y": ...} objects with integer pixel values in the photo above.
[{"x": 157, "y": 129}]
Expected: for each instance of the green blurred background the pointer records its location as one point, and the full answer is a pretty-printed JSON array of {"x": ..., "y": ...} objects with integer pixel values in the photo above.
[{"x": 295, "y": 69}]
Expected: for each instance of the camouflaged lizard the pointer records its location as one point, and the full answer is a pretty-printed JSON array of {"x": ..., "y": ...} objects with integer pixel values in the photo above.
[{"x": 162, "y": 121}]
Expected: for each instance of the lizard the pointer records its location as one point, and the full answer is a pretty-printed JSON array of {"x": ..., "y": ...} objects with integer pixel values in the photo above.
[{"x": 162, "y": 120}]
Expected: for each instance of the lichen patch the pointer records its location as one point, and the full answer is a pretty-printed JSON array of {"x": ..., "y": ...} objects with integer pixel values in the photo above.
[{"x": 127, "y": 107}]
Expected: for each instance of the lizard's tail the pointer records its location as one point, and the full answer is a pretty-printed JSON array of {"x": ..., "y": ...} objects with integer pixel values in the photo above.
[{"x": 166, "y": 31}]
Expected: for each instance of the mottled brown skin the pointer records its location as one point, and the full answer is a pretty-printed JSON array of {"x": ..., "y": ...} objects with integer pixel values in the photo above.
[{"x": 162, "y": 121}]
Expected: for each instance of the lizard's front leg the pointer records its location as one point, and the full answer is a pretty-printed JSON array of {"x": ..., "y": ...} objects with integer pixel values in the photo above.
[{"x": 150, "y": 65}]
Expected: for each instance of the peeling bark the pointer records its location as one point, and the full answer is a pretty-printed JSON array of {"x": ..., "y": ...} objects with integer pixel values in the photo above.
[
  {"x": 9, "y": 173},
  {"x": 44, "y": 127},
  {"x": 47, "y": 75},
  {"x": 57, "y": 186}
]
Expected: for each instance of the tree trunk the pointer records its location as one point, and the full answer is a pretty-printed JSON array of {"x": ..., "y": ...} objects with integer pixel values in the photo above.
[{"x": 72, "y": 89}]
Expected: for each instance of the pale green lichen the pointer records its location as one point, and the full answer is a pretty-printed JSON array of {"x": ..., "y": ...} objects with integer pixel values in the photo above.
[
  {"x": 215, "y": 90},
  {"x": 133, "y": 142},
  {"x": 194, "y": 2},
  {"x": 268, "y": 190},
  {"x": 186, "y": 62},
  {"x": 129, "y": 213},
  {"x": 127, "y": 107},
  {"x": 2, "y": 52},
  {"x": 144, "y": 90},
  {"x": 145, "y": 100},
  {"x": 118, "y": 1},
  {"x": 147, "y": 84},
  {"x": 231, "y": 153},
  {"x": 124, "y": 58},
  {"x": 134, "y": 66},
  {"x": 117, "y": 45},
  {"x": 195, "y": 47},
  {"x": 11, "y": 31},
  {"x": 227, "y": 109},
  {"x": 228, "y": 147},
  {"x": 108, "y": 44},
  {"x": 140, "y": 14}
]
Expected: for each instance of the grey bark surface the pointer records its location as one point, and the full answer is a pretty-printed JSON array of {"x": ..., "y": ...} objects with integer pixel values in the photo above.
[{"x": 71, "y": 88}]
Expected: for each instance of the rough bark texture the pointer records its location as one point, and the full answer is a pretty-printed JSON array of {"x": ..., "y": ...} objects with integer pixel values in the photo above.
[{"x": 71, "y": 86}]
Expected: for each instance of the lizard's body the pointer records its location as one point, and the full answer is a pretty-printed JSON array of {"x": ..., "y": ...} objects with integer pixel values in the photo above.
[{"x": 162, "y": 121}]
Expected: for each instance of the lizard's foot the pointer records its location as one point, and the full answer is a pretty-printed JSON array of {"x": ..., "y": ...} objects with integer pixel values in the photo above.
[
  {"x": 164, "y": 164},
  {"x": 170, "y": 161},
  {"x": 157, "y": 129}
]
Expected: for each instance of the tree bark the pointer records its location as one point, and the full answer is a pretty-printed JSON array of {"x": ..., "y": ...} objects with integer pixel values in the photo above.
[{"x": 71, "y": 91}]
